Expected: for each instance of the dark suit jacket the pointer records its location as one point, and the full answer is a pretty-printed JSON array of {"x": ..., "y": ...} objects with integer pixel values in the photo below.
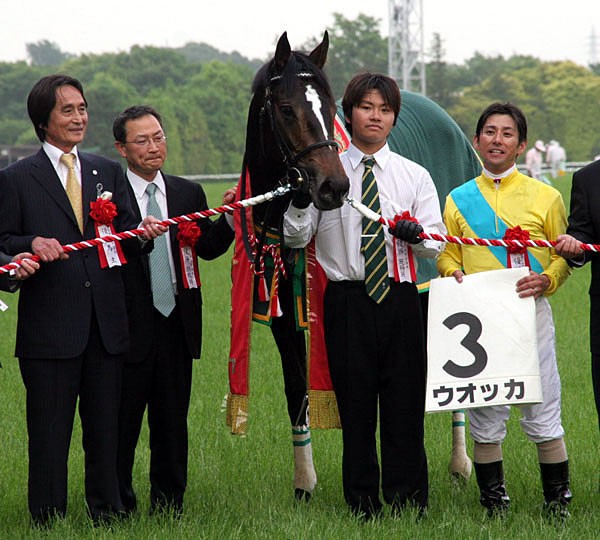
[
  {"x": 56, "y": 304},
  {"x": 584, "y": 224},
  {"x": 183, "y": 197}
]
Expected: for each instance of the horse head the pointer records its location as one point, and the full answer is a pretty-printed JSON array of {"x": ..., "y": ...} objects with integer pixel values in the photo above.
[{"x": 295, "y": 109}]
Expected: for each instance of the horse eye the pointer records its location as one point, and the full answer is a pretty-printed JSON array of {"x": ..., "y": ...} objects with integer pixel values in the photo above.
[{"x": 287, "y": 111}]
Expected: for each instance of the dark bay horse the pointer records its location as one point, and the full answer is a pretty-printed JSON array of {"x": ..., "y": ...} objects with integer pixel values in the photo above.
[{"x": 289, "y": 139}]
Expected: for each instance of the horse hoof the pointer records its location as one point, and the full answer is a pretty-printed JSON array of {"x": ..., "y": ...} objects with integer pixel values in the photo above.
[
  {"x": 302, "y": 495},
  {"x": 459, "y": 479}
]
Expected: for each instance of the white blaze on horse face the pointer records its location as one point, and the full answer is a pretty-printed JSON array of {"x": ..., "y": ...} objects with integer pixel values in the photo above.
[{"x": 313, "y": 98}]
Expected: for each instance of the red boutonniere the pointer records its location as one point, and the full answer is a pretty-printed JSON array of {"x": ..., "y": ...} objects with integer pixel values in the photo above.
[
  {"x": 406, "y": 216},
  {"x": 103, "y": 211},
  {"x": 516, "y": 256},
  {"x": 404, "y": 262},
  {"x": 188, "y": 234},
  {"x": 516, "y": 234}
]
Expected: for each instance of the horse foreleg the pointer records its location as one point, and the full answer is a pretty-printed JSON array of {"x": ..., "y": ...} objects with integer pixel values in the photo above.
[
  {"x": 460, "y": 464},
  {"x": 305, "y": 477},
  {"x": 292, "y": 349}
]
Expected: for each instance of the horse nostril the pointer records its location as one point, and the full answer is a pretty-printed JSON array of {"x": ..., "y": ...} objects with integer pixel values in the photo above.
[{"x": 331, "y": 192}]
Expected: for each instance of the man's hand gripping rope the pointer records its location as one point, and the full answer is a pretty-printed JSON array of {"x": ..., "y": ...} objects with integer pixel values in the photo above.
[{"x": 142, "y": 231}]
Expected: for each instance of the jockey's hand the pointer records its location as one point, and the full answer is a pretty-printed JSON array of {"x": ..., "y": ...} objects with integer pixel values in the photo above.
[
  {"x": 48, "y": 249},
  {"x": 533, "y": 285},
  {"x": 458, "y": 275},
  {"x": 406, "y": 230}
]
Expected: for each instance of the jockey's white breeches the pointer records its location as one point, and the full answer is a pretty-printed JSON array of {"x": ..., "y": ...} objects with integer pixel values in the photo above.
[{"x": 540, "y": 421}]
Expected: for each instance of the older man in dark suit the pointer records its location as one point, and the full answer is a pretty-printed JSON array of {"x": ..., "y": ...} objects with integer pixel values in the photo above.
[
  {"x": 165, "y": 315},
  {"x": 72, "y": 327}
]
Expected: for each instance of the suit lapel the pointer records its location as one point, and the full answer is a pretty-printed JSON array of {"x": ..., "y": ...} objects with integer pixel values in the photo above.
[
  {"x": 89, "y": 186},
  {"x": 138, "y": 214},
  {"x": 173, "y": 210},
  {"x": 44, "y": 173}
]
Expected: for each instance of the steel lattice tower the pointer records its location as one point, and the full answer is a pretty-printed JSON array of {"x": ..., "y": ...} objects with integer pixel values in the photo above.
[{"x": 405, "y": 44}]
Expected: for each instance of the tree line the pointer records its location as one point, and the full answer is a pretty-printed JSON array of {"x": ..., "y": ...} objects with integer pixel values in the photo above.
[{"x": 203, "y": 94}]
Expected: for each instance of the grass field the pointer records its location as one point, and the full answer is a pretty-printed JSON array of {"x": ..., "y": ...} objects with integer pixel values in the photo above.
[{"x": 241, "y": 487}]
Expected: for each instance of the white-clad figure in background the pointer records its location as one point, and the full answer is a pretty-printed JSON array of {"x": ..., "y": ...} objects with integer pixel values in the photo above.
[
  {"x": 556, "y": 158},
  {"x": 533, "y": 160}
]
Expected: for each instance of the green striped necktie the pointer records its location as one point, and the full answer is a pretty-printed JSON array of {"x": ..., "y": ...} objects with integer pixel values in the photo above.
[{"x": 372, "y": 239}]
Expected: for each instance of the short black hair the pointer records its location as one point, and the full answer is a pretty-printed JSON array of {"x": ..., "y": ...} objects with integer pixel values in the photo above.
[
  {"x": 362, "y": 83},
  {"x": 132, "y": 113},
  {"x": 42, "y": 99},
  {"x": 508, "y": 109}
]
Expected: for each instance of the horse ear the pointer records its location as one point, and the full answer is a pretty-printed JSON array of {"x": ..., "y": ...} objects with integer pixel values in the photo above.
[
  {"x": 319, "y": 54},
  {"x": 282, "y": 52}
]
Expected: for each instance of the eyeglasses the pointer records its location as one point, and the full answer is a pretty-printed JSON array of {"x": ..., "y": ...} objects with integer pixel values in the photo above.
[{"x": 158, "y": 140}]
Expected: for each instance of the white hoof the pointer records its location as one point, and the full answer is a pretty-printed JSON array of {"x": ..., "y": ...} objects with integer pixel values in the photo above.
[{"x": 460, "y": 467}]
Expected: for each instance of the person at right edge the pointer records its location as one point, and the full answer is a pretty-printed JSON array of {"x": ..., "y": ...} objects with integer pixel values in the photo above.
[
  {"x": 502, "y": 203},
  {"x": 584, "y": 227}
]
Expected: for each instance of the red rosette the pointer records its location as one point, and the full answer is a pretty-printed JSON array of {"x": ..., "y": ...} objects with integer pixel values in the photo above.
[
  {"x": 405, "y": 216},
  {"x": 400, "y": 274},
  {"x": 516, "y": 234},
  {"x": 188, "y": 233},
  {"x": 103, "y": 211}
]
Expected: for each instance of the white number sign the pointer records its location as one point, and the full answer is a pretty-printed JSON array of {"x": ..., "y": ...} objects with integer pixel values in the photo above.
[{"x": 481, "y": 343}]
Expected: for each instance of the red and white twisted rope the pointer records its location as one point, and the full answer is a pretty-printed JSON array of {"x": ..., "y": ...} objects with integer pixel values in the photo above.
[
  {"x": 78, "y": 246},
  {"x": 374, "y": 216}
]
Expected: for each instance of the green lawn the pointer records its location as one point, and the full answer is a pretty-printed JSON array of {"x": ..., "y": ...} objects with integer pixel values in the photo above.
[{"x": 241, "y": 487}]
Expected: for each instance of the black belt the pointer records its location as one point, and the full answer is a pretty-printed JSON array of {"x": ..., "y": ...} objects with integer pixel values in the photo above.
[{"x": 355, "y": 283}]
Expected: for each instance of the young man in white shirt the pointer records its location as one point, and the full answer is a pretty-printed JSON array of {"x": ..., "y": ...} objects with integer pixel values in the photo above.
[{"x": 375, "y": 348}]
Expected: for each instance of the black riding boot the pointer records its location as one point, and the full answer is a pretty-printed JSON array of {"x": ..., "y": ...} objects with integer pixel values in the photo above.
[
  {"x": 493, "y": 496},
  {"x": 557, "y": 495}
]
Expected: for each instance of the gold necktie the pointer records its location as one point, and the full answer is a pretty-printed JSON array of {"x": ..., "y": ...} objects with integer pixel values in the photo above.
[{"x": 73, "y": 188}]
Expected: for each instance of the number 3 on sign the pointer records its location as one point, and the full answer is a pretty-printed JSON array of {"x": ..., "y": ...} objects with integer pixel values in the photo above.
[{"x": 470, "y": 343}]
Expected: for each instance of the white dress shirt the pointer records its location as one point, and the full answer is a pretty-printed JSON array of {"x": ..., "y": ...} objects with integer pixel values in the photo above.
[{"x": 402, "y": 184}]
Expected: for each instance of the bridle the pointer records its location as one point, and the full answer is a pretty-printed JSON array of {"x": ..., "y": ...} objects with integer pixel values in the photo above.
[{"x": 295, "y": 175}]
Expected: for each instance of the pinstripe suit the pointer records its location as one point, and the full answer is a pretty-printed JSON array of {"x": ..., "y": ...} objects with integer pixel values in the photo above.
[{"x": 71, "y": 331}]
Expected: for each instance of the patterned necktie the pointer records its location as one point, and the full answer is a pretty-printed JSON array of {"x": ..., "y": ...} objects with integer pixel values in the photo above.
[
  {"x": 160, "y": 271},
  {"x": 73, "y": 188},
  {"x": 372, "y": 239}
]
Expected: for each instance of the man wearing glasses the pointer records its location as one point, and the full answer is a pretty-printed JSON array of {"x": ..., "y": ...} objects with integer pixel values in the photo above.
[{"x": 165, "y": 311}]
